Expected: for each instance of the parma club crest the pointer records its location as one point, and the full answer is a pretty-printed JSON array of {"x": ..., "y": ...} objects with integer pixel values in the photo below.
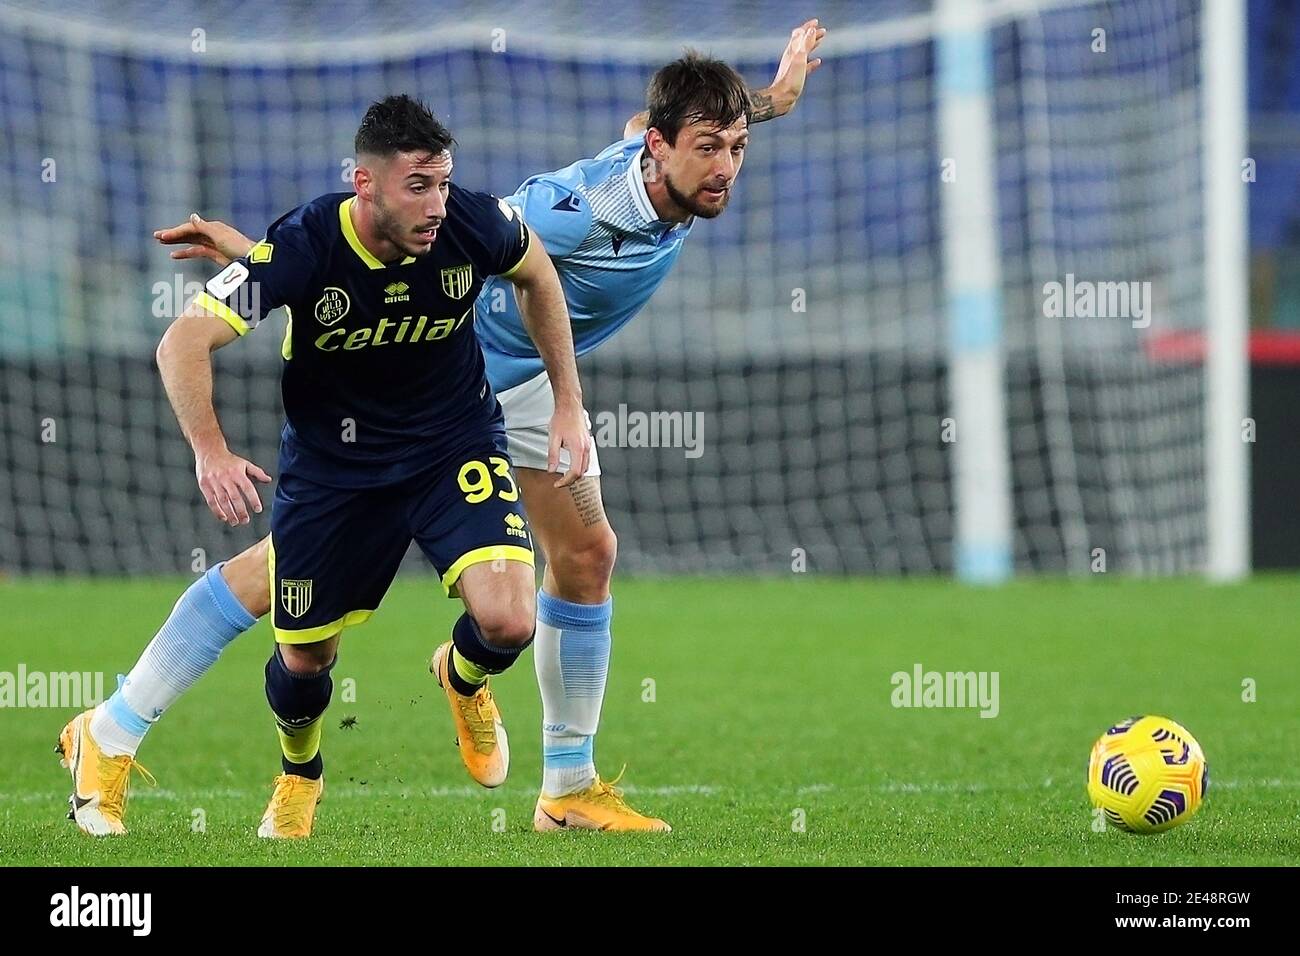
[
  {"x": 457, "y": 280},
  {"x": 295, "y": 596}
]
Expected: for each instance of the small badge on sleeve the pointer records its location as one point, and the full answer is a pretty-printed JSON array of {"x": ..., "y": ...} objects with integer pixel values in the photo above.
[{"x": 227, "y": 280}]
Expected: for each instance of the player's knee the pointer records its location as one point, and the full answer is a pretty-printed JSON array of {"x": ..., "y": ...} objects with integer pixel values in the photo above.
[
  {"x": 507, "y": 627},
  {"x": 307, "y": 660},
  {"x": 584, "y": 569}
]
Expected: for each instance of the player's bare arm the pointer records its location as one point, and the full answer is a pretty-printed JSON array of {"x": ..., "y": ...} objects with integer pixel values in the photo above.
[
  {"x": 541, "y": 304},
  {"x": 781, "y": 96},
  {"x": 796, "y": 66},
  {"x": 209, "y": 239},
  {"x": 185, "y": 361},
  {"x": 546, "y": 319}
]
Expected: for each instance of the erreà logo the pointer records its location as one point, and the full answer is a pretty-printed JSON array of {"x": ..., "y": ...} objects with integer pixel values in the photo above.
[
  {"x": 75, "y": 908},
  {"x": 396, "y": 292},
  {"x": 515, "y": 526}
]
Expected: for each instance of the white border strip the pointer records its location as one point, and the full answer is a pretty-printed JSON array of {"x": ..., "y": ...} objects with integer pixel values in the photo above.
[{"x": 109, "y": 38}]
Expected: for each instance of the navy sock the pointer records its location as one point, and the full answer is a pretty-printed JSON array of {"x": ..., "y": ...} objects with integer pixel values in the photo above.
[
  {"x": 298, "y": 701},
  {"x": 468, "y": 642}
]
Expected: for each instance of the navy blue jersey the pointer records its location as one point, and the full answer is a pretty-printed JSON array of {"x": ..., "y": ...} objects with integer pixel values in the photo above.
[{"x": 383, "y": 375}]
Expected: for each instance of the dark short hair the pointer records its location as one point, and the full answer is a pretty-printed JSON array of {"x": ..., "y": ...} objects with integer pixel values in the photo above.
[
  {"x": 400, "y": 124},
  {"x": 695, "y": 89}
]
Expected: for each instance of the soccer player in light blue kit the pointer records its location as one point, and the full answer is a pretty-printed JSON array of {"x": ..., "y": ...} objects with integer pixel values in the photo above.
[{"x": 613, "y": 226}]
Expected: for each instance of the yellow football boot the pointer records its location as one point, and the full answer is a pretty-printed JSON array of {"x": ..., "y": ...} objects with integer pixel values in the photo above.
[
  {"x": 600, "y": 807},
  {"x": 292, "y": 811},
  {"x": 99, "y": 783},
  {"x": 484, "y": 747}
]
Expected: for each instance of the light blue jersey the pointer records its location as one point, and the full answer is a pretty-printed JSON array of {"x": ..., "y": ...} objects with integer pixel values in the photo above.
[{"x": 608, "y": 246}]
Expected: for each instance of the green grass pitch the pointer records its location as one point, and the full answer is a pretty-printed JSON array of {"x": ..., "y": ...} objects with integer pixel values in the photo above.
[{"x": 771, "y": 704}]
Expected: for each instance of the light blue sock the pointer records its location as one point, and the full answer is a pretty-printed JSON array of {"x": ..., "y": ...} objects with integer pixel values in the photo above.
[
  {"x": 571, "y": 656},
  {"x": 207, "y": 617}
]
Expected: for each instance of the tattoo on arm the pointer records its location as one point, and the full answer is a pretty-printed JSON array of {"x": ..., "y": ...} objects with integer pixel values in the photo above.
[
  {"x": 761, "y": 107},
  {"x": 586, "y": 495}
]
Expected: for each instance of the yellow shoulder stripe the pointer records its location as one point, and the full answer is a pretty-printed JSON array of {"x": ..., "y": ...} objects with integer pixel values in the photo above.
[
  {"x": 528, "y": 244},
  {"x": 205, "y": 301}
]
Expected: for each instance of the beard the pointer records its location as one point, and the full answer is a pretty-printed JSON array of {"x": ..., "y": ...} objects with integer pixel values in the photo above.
[
  {"x": 388, "y": 227},
  {"x": 692, "y": 205}
]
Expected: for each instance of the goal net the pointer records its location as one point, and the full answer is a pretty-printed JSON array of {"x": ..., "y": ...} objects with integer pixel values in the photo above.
[{"x": 803, "y": 335}]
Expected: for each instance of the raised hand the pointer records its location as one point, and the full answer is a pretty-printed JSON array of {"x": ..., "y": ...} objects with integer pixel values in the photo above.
[
  {"x": 796, "y": 66},
  {"x": 208, "y": 239}
]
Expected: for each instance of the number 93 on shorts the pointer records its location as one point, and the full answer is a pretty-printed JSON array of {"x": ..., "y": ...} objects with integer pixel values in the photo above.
[{"x": 334, "y": 552}]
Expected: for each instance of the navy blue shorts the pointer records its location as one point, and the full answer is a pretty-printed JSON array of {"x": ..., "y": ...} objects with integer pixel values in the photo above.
[{"x": 334, "y": 552}]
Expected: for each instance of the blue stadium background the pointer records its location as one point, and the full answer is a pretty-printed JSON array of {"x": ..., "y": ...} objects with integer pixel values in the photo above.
[{"x": 863, "y": 193}]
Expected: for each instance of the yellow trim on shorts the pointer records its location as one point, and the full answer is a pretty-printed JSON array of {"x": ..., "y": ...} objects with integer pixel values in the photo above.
[
  {"x": 310, "y": 635},
  {"x": 205, "y": 300},
  {"x": 493, "y": 552}
]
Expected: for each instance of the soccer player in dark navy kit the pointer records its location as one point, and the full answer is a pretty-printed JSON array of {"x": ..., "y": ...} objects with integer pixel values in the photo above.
[
  {"x": 392, "y": 431},
  {"x": 613, "y": 233}
]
